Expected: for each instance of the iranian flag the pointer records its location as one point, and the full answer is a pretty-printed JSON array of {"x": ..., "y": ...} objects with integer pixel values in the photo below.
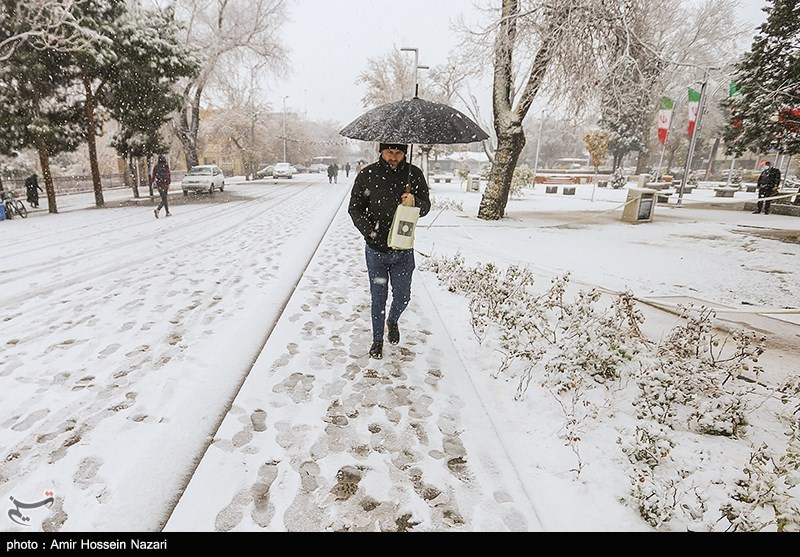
[
  {"x": 664, "y": 118},
  {"x": 694, "y": 106}
]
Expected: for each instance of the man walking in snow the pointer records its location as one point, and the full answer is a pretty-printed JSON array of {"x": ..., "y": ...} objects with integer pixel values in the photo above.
[
  {"x": 768, "y": 183},
  {"x": 377, "y": 191}
]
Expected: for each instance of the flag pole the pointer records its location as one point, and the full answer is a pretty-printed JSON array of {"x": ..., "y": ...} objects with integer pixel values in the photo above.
[
  {"x": 696, "y": 131},
  {"x": 664, "y": 145}
]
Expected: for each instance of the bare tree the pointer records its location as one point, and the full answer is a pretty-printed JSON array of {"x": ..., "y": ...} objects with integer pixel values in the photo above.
[
  {"x": 388, "y": 78},
  {"x": 231, "y": 34},
  {"x": 44, "y": 25},
  {"x": 564, "y": 44},
  {"x": 669, "y": 45}
]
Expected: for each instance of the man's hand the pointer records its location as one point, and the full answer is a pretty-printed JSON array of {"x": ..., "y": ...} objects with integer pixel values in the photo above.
[{"x": 407, "y": 199}]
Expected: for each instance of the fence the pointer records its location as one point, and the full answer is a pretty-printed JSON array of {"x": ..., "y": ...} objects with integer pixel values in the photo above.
[{"x": 78, "y": 184}]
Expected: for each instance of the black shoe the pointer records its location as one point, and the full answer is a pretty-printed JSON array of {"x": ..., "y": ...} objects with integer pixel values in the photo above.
[
  {"x": 376, "y": 350},
  {"x": 155, "y": 212},
  {"x": 394, "y": 332}
]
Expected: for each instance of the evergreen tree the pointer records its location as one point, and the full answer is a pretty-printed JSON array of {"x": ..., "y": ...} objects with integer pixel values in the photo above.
[
  {"x": 765, "y": 106},
  {"x": 108, "y": 77},
  {"x": 37, "y": 109},
  {"x": 142, "y": 96}
]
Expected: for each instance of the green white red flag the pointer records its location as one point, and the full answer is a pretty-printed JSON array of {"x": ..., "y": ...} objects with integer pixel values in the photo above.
[
  {"x": 664, "y": 118},
  {"x": 694, "y": 107}
]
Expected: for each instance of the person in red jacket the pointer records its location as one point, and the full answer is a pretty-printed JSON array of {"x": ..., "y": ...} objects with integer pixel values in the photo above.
[{"x": 162, "y": 179}]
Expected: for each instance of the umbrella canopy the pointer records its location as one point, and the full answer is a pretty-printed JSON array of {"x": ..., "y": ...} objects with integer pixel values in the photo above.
[{"x": 414, "y": 121}]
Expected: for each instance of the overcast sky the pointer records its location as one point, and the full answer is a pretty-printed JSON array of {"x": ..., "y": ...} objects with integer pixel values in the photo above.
[{"x": 330, "y": 43}]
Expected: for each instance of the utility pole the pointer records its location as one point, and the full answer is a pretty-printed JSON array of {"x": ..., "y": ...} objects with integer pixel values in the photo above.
[{"x": 284, "y": 127}]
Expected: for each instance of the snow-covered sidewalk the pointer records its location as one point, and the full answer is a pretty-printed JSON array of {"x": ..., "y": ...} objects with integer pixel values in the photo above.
[{"x": 321, "y": 437}]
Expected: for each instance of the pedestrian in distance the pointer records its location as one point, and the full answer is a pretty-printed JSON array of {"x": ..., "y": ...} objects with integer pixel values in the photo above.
[
  {"x": 32, "y": 189},
  {"x": 768, "y": 182},
  {"x": 347, "y": 170},
  {"x": 330, "y": 173},
  {"x": 161, "y": 179},
  {"x": 377, "y": 191},
  {"x": 335, "y": 173}
]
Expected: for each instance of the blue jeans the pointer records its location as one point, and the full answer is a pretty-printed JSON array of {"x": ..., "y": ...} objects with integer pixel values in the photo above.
[{"x": 395, "y": 268}]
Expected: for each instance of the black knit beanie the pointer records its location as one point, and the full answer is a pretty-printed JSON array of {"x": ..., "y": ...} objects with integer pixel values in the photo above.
[{"x": 398, "y": 146}]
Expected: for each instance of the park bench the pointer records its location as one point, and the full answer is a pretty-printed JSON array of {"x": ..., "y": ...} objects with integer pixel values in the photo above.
[
  {"x": 566, "y": 189},
  {"x": 658, "y": 185},
  {"x": 725, "y": 191},
  {"x": 549, "y": 179}
]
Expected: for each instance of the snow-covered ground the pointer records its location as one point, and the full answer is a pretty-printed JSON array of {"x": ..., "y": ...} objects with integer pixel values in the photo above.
[{"x": 145, "y": 385}]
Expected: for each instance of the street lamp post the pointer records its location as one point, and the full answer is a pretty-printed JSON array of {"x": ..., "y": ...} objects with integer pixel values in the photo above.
[
  {"x": 284, "y": 127},
  {"x": 415, "y": 91}
]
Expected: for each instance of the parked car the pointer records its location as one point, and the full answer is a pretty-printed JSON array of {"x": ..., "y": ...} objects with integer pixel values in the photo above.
[
  {"x": 300, "y": 168},
  {"x": 283, "y": 170},
  {"x": 266, "y": 171},
  {"x": 203, "y": 178},
  {"x": 317, "y": 167}
]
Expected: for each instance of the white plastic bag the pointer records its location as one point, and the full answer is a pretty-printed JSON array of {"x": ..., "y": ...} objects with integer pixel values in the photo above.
[{"x": 401, "y": 235}]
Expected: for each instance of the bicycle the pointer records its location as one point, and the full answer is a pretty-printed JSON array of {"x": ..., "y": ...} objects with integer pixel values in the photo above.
[{"x": 13, "y": 205}]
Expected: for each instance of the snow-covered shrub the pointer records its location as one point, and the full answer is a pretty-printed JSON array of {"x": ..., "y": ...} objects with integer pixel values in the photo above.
[
  {"x": 692, "y": 369},
  {"x": 763, "y": 496},
  {"x": 522, "y": 178},
  {"x": 446, "y": 205},
  {"x": 585, "y": 355},
  {"x": 618, "y": 179}
]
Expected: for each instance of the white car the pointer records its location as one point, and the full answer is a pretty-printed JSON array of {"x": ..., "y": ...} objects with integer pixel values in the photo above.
[
  {"x": 203, "y": 178},
  {"x": 283, "y": 170}
]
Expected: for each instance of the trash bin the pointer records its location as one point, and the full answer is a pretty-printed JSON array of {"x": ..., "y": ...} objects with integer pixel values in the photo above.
[{"x": 640, "y": 205}]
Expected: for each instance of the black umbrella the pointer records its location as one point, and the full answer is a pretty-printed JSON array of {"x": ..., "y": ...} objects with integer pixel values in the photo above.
[{"x": 414, "y": 121}]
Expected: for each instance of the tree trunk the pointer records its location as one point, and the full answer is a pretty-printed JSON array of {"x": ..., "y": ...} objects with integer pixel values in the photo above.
[
  {"x": 91, "y": 141},
  {"x": 642, "y": 161},
  {"x": 44, "y": 162},
  {"x": 495, "y": 197},
  {"x": 188, "y": 126},
  {"x": 508, "y": 119},
  {"x": 710, "y": 168}
]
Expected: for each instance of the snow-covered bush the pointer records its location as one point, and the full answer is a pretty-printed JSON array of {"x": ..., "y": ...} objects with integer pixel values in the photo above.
[
  {"x": 446, "y": 205},
  {"x": 594, "y": 361},
  {"x": 618, "y": 179},
  {"x": 764, "y": 496},
  {"x": 522, "y": 178},
  {"x": 692, "y": 369}
]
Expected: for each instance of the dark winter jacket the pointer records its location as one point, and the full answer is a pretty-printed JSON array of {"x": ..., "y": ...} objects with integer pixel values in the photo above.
[
  {"x": 32, "y": 185},
  {"x": 161, "y": 174},
  {"x": 769, "y": 179},
  {"x": 376, "y": 193}
]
